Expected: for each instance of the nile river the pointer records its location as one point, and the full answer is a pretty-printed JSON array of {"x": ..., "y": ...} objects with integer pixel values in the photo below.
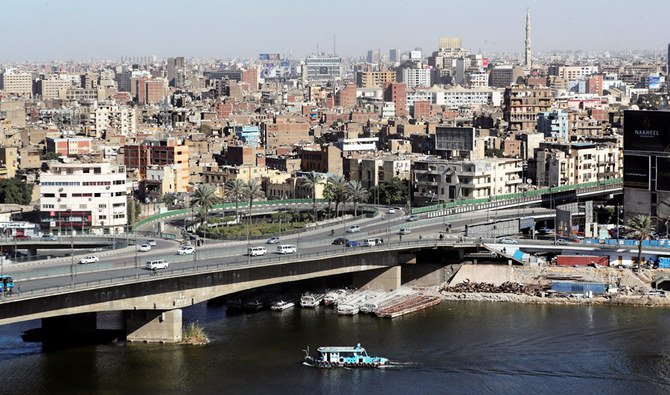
[{"x": 457, "y": 347}]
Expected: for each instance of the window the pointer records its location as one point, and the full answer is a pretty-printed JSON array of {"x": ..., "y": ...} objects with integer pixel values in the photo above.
[
  {"x": 48, "y": 195},
  {"x": 102, "y": 217}
]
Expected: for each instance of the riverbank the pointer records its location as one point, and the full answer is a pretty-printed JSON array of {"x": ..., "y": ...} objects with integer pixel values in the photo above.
[{"x": 631, "y": 288}]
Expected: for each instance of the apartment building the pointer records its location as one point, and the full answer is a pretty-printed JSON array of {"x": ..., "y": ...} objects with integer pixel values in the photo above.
[
  {"x": 374, "y": 79},
  {"x": 568, "y": 164},
  {"x": 83, "y": 198},
  {"x": 156, "y": 152},
  {"x": 522, "y": 106},
  {"x": 17, "y": 83}
]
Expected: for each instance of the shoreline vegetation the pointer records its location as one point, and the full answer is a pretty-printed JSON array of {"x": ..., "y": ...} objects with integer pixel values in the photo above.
[{"x": 194, "y": 334}]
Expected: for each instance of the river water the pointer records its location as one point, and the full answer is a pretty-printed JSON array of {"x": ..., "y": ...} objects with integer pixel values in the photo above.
[{"x": 456, "y": 347}]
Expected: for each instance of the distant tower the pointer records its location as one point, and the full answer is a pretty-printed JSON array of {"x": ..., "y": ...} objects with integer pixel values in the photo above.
[{"x": 529, "y": 61}]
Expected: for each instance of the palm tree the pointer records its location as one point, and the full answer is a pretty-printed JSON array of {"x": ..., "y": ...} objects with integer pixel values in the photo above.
[
  {"x": 311, "y": 180},
  {"x": 357, "y": 194},
  {"x": 235, "y": 191},
  {"x": 252, "y": 191},
  {"x": 337, "y": 191},
  {"x": 643, "y": 228},
  {"x": 204, "y": 198},
  {"x": 169, "y": 198}
]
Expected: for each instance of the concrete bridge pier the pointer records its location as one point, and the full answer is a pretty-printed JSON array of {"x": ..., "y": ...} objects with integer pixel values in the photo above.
[
  {"x": 382, "y": 279},
  {"x": 154, "y": 326}
]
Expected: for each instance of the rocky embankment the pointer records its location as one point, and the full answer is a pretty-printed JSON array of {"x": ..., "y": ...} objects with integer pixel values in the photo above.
[{"x": 493, "y": 283}]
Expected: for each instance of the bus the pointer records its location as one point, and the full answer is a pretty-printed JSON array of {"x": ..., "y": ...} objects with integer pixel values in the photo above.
[{"x": 7, "y": 283}]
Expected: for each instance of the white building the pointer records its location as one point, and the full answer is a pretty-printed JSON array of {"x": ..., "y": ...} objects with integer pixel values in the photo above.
[
  {"x": 414, "y": 77},
  {"x": 83, "y": 198},
  {"x": 459, "y": 96},
  {"x": 322, "y": 69},
  {"x": 17, "y": 82},
  {"x": 119, "y": 119}
]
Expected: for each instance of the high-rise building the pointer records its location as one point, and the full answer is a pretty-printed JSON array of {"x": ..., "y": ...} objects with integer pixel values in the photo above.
[
  {"x": 323, "y": 68},
  {"x": 175, "y": 71},
  {"x": 528, "y": 58},
  {"x": 371, "y": 79},
  {"x": 396, "y": 92},
  {"x": 450, "y": 43},
  {"x": 394, "y": 54},
  {"x": 374, "y": 56},
  {"x": 522, "y": 106}
]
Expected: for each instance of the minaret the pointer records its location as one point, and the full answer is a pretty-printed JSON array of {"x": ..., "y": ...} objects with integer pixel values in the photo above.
[{"x": 529, "y": 61}]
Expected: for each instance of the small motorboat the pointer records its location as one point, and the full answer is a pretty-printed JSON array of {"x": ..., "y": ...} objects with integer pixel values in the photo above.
[{"x": 281, "y": 305}]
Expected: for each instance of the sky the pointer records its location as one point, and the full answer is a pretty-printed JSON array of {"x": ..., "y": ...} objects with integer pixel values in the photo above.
[{"x": 108, "y": 29}]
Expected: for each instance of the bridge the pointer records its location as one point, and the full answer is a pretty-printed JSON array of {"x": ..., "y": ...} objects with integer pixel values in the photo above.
[{"x": 150, "y": 306}]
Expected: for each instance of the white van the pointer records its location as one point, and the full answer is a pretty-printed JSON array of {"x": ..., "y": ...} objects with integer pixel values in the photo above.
[
  {"x": 404, "y": 231},
  {"x": 286, "y": 249},
  {"x": 372, "y": 242},
  {"x": 157, "y": 264},
  {"x": 256, "y": 251}
]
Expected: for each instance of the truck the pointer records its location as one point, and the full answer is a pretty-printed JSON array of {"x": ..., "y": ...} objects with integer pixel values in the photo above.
[{"x": 582, "y": 260}]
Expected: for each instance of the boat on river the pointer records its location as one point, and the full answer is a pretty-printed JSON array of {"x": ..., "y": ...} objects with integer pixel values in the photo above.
[
  {"x": 281, "y": 305},
  {"x": 309, "y": 299},
  {"x": 347, "y": 357}
]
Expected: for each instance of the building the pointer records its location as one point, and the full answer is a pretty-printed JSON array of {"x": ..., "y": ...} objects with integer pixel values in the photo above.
[
  {"x": 528, "y": 58},
  {"x": 69, "y": 146},
  {"x": 8, "y": 161},
  {"x": 576, "y": 163},
  {"x": 53, "y": 88},
  {"x": 321, "y": 69},
  {"x": 156, "y": 152},
  {"x": 176, "y": 72},
  {"x": 396, "y": 93},
  {"x": 83, "y": 198},
  {"x": 438, "y": 180},
  {"x": 554, "y": 124},
  {"x": 248, "y": 134},
  {"x": 505, "y": 75},
  {"x": 285, "y": 133},
  {"x": 415, "y": 77},
  {"x": 17, "y": 83},
  {"x": 109, "y": 117},
  {"x": 372, "y": 79},
  {"x": 346, "y": 97},
  {"x": 522, "y": 105}
]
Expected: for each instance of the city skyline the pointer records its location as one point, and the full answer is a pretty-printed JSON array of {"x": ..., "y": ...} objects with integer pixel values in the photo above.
[{"x": 73, "y": 30}]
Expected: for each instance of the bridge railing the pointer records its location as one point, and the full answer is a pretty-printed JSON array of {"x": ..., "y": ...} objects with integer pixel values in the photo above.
[
  {"x": 464, "y": 205},
  {"x": 242, "y": 261}
]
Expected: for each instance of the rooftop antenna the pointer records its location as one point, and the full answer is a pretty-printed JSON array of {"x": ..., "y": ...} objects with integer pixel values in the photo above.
[
  {"x": 317, "y": 48},
  {"x": 334, "y": 47}
]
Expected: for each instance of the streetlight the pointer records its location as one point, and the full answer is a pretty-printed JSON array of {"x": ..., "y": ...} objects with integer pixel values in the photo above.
[{"x": 71, "y": 249}]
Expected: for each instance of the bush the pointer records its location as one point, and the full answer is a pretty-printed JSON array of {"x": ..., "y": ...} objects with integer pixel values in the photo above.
[{"x": 194, "y": 334}]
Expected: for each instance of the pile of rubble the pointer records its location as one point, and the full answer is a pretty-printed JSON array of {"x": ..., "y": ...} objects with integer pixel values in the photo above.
[{"x": 506, "y": 287}]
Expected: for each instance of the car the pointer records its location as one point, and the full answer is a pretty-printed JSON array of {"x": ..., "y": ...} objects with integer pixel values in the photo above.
[
  {"x": 49, "y": 237},
  {"x": 412, "y": 218},
  {"x": 256, "y": 251},
  {"x": 352, "y": 243},
  {"x": 391, "y": 210},
  {"x": 186, "y": 250},
  {"x": 89, "y": 259},
  {"x": 353, "y": 229},
  {"x": 340, "y": 241},
  {"x": 273, "y": 240},
  {"x": 151, "y": 242},
  {"x": 545, "y": 229},
  {"x": 157, "y": 264},
  {"x": 507, "y": 240},
  {"x": 561, "y": 242},
  {"x": 22, "y": 237},
  {"x": 144, "y": 248},
  {"x": 404, "y": 231}
]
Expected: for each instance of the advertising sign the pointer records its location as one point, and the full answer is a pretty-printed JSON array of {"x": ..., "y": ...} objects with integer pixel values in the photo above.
[
  {"x": 452, "y": 138},
  {"x": 636, "y": 171},
  {"x": 646, "y": 130},
  {"x": 654, "y": 82}
]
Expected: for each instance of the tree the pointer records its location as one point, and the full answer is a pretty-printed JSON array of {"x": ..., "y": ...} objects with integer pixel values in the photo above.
[
  {"x": 204, "y": 198},
  {"x": 169, "y": 198},
  {"x": 49, "y": 156},
  {"x": 391, "y": 192},
  {"x": 643, "y": 228},
  {"x": 311, "y": 180},
  {"x": 235, "y": 192},
  {"x": 336, "y": 191},
  {"x": 253, "y": 191},
  {"x": 15, "y": 191},
  {"x": 357, "y": 194},
  {"x": 134, "y": 209}
]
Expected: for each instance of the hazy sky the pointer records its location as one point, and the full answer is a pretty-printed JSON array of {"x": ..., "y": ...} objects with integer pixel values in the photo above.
[{"x": 108, "y": 29}]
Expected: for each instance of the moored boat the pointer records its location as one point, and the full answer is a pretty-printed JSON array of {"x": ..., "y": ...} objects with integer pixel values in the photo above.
[
  {"x": 310, "y": 300},
  {"x": 348, "y": 357},
  {"x": 281, "y": 305},
  {"x": 333, "y": 297}
]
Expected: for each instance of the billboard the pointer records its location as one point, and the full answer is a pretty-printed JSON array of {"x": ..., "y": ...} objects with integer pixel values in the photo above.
[
  {"x": 636, "y": 171},
  {"x": 268, "y": 56},
  {"x": 646, "y": 130},
  {"x": 662, "y": 173},
  {"x": 415, "y": 55},
  {"x": 452, "y": 138},
  {"x": 654, "y": 82}
]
